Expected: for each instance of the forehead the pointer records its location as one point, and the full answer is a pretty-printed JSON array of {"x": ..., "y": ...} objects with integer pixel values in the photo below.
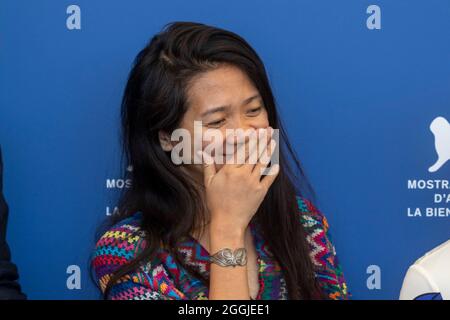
[{"x": 225, "y": 85}]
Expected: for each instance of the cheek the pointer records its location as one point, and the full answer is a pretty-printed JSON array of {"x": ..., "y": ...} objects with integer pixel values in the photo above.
[
  {"x": 209, "y": 142},
  {"x": 266, "y": 118},
  {"x": 262, "y": 120},
  {"x": 213, "y": 137}
]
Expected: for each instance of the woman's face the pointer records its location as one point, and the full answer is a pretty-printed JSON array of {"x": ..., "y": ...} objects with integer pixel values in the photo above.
[{"x": 223, "y": 98}]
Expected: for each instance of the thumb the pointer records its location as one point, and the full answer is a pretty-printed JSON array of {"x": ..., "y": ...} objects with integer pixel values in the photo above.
[{"x": 209, "y": 169}]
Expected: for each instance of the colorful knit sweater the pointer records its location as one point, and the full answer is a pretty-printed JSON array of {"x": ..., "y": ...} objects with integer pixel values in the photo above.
[{"x": 164, "y": 279}]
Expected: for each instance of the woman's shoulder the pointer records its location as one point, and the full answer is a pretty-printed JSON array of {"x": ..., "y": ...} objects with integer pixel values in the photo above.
[
  {"x": 119, "y": 245},
  {"x": 124, "y": 238}
]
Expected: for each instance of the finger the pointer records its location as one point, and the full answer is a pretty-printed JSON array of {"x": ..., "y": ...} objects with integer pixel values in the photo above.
[
  {"x": 265, "y": 158},
  {"x": 257, "y": 143},
  {"x": 256, "y": 146},
  {"x": 265, "y": 155},
  {"x": 271, "y": 176},
  {"x": 251, "y": 151},
  {"x": 209, "y": 169},
  {"x": 266, "y": 150},
  {"x": 247, "y": 152},
  {"x": 241, "y": 151}
]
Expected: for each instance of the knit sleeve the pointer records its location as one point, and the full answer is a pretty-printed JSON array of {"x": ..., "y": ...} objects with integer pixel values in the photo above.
[
  {"x": 118, "y": 247},
  {"x": 328, "y": 270}
]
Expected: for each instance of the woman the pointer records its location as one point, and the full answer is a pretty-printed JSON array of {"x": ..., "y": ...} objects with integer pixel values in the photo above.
[{"x": 212, "y": 230}]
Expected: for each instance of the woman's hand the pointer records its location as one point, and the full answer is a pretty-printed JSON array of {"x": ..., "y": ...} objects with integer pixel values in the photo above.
[{"x": 235, "y": 192}]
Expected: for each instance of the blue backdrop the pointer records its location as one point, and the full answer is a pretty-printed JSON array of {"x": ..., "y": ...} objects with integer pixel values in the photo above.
[{"x": 357, "y": 103}]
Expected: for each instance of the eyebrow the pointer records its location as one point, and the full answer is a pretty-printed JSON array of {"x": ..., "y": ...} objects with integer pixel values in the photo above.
[
  {"x": 248, "y": 100},
  {"x": 223, "y": 108}
]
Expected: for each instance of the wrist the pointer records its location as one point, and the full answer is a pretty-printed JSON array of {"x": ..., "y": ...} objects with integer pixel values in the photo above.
[
  {"x": 223, "y": 236},
  {"x": 224, "y": 228}
]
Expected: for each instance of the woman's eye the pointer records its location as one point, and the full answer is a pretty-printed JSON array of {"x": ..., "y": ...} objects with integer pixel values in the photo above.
[
  {"x": 254, "y": 111},
  {"x": 216, "y": 123}
]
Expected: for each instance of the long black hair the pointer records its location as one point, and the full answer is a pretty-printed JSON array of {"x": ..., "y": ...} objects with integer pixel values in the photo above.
[{"x": 155, "y": 100}]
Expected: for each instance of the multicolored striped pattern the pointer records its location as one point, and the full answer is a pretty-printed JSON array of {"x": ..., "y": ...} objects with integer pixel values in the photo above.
[{"x": 163, "y": 279}]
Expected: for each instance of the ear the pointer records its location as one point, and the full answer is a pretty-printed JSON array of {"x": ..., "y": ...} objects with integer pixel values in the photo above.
[{"x": 164, "y": 140}]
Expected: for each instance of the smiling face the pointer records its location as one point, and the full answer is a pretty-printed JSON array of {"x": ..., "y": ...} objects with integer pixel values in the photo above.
[{"x": 222, "y": 98}]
